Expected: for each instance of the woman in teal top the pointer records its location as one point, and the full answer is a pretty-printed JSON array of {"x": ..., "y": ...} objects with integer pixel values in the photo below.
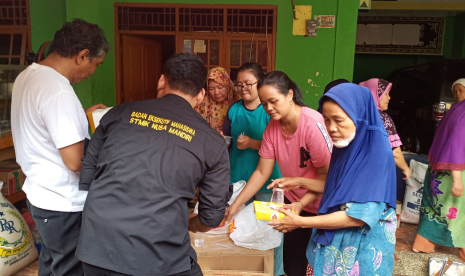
[
  {"x": 245, "y": 123},
  {"x": 248, "y": 117}
]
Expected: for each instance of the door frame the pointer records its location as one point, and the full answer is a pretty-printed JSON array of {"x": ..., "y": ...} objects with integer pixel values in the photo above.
[{"x": 177, "y": 33}]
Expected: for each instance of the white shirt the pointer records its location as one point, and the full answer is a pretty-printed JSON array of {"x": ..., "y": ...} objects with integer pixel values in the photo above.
[{"x": 46, "y": 115}]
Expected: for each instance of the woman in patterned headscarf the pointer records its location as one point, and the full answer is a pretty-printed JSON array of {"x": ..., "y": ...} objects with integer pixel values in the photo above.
[
  {"x": 380, "y": 90},
  {"x": 220, "y": 95}
]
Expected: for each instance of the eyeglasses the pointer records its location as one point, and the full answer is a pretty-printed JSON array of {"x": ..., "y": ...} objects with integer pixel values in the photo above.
[{"x": 246, "y": 87}]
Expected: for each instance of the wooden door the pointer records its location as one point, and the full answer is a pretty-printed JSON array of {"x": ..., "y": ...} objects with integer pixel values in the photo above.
[
  {"x": 209, "y": 48},
  {"x": 142, "y": 67}
]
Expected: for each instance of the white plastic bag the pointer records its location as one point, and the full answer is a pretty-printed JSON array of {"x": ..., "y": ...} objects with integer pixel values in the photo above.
[
  {"x": 223, "y": 229},
  {"x": 247, "y": 231},
  {"x": 17, "y": 249},
  {"x": 413, "y": 193}
]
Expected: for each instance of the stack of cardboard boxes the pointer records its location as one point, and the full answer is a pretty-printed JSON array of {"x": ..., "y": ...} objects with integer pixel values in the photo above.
[{"x": 12, "y": 177}]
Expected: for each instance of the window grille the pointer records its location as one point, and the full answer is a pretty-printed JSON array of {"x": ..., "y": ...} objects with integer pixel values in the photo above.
[
  {"x": 13, "y": 13},
  {"x": 12, "y": 48},
  {"x": 201, "y": 20},
  {"x": 250, "y": 21},
  {"x": 146, "y": 19}
]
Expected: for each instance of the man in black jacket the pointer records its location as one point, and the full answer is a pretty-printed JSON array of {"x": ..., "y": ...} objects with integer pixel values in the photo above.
[{"x": 141, "y": 168}]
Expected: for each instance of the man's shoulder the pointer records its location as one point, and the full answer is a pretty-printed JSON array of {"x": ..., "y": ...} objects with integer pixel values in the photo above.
[
  {"x": 192, "y": 118},
  {"x": 48, "y": 82},
  {"x": 47, "y": 75},
  {"x": 180, "y": 115}
]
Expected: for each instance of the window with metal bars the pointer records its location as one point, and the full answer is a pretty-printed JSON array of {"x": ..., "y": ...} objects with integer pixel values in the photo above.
[
  {"x": 242, "y": 49},
  {"x": 250, "y": 21},
  {"x": 13, "y": 12},
  {"x": 193, "y": 19},
  {"x": 201, "y": 20},
  {"x": 12, "y": 48},
  {"x": 14, "y": 30},
  {"x": 147, "y": 19}
]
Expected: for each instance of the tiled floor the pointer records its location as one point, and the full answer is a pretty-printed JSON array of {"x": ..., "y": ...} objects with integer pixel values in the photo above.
[
  {"x": 405, "y": 238},
  {"x": 406, "y": 234}
]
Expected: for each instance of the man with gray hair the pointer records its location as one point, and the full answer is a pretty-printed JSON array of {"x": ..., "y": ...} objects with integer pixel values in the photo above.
[{"x": 49, "y": 127}]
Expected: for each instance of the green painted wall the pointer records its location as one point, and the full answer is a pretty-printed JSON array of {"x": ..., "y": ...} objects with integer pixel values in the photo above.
[
  {"x": 367, "y": 66},
  {"x": 310, "y": 62},
  {"x": 47, "y": 16}
]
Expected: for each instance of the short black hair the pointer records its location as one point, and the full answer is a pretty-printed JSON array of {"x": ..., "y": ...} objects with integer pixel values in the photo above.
[
  {"x": 334, "y": 83},
  {"x": 283, "y": 83},
  {"x": 186, "y": 73},
  {"x": 78, "y": 35},
  {"x": 255, "y": 68}
]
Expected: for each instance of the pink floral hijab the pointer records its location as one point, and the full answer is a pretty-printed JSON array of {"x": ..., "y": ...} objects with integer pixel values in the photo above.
[
  {"x": 379, "y": 88},
  {"x": 215, "y": 112}
]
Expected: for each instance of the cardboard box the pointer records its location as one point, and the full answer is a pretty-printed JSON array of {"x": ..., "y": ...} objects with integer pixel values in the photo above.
[
  {"x": 12, "y": 177},
  {"x": 220, "y": 253},
  {"x": 231, "y": 273},
  {"x": 264, "y": 212}
]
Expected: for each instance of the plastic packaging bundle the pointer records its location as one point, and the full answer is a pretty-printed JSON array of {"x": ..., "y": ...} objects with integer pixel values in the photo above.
[{"x": 247, "y": 231}]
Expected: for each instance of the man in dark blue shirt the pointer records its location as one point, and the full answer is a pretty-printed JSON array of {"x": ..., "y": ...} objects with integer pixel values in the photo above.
[{"x": 141, "y": 168}]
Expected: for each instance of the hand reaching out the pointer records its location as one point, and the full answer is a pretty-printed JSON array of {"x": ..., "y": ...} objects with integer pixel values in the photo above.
[
  {"x": 94, "y": 107},
  {"x": 290, "y": 222},
  {"x": 286, "y": 183}
]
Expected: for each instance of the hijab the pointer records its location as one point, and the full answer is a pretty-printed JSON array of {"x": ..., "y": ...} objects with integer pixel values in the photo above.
[
  {"x": 448, "y": 149},
  {"x": 213, "y": 111},
  {"x": 459, "y": 81},
  {"x": 364, "y": 171},
  {"x": 331, "y": 85},
  {"x": 379, "y": 88}
]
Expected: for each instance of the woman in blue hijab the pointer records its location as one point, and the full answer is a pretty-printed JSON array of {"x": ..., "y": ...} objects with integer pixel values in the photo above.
[{"x": 354, "y": 232}]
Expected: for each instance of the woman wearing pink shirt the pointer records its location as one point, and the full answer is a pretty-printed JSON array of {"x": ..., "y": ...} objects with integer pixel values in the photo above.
[{"x": 296, "y": 138}]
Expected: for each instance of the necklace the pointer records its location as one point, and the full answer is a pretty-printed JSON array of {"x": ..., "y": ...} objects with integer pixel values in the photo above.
[
  {"x": 282, "y": 127},
  {"x": 282, "y": 131}
]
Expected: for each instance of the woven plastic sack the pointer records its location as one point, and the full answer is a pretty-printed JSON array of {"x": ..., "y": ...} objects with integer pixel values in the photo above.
[
  {"x": 413, "y": 193},
  {"x": 17, "y": 248}
]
